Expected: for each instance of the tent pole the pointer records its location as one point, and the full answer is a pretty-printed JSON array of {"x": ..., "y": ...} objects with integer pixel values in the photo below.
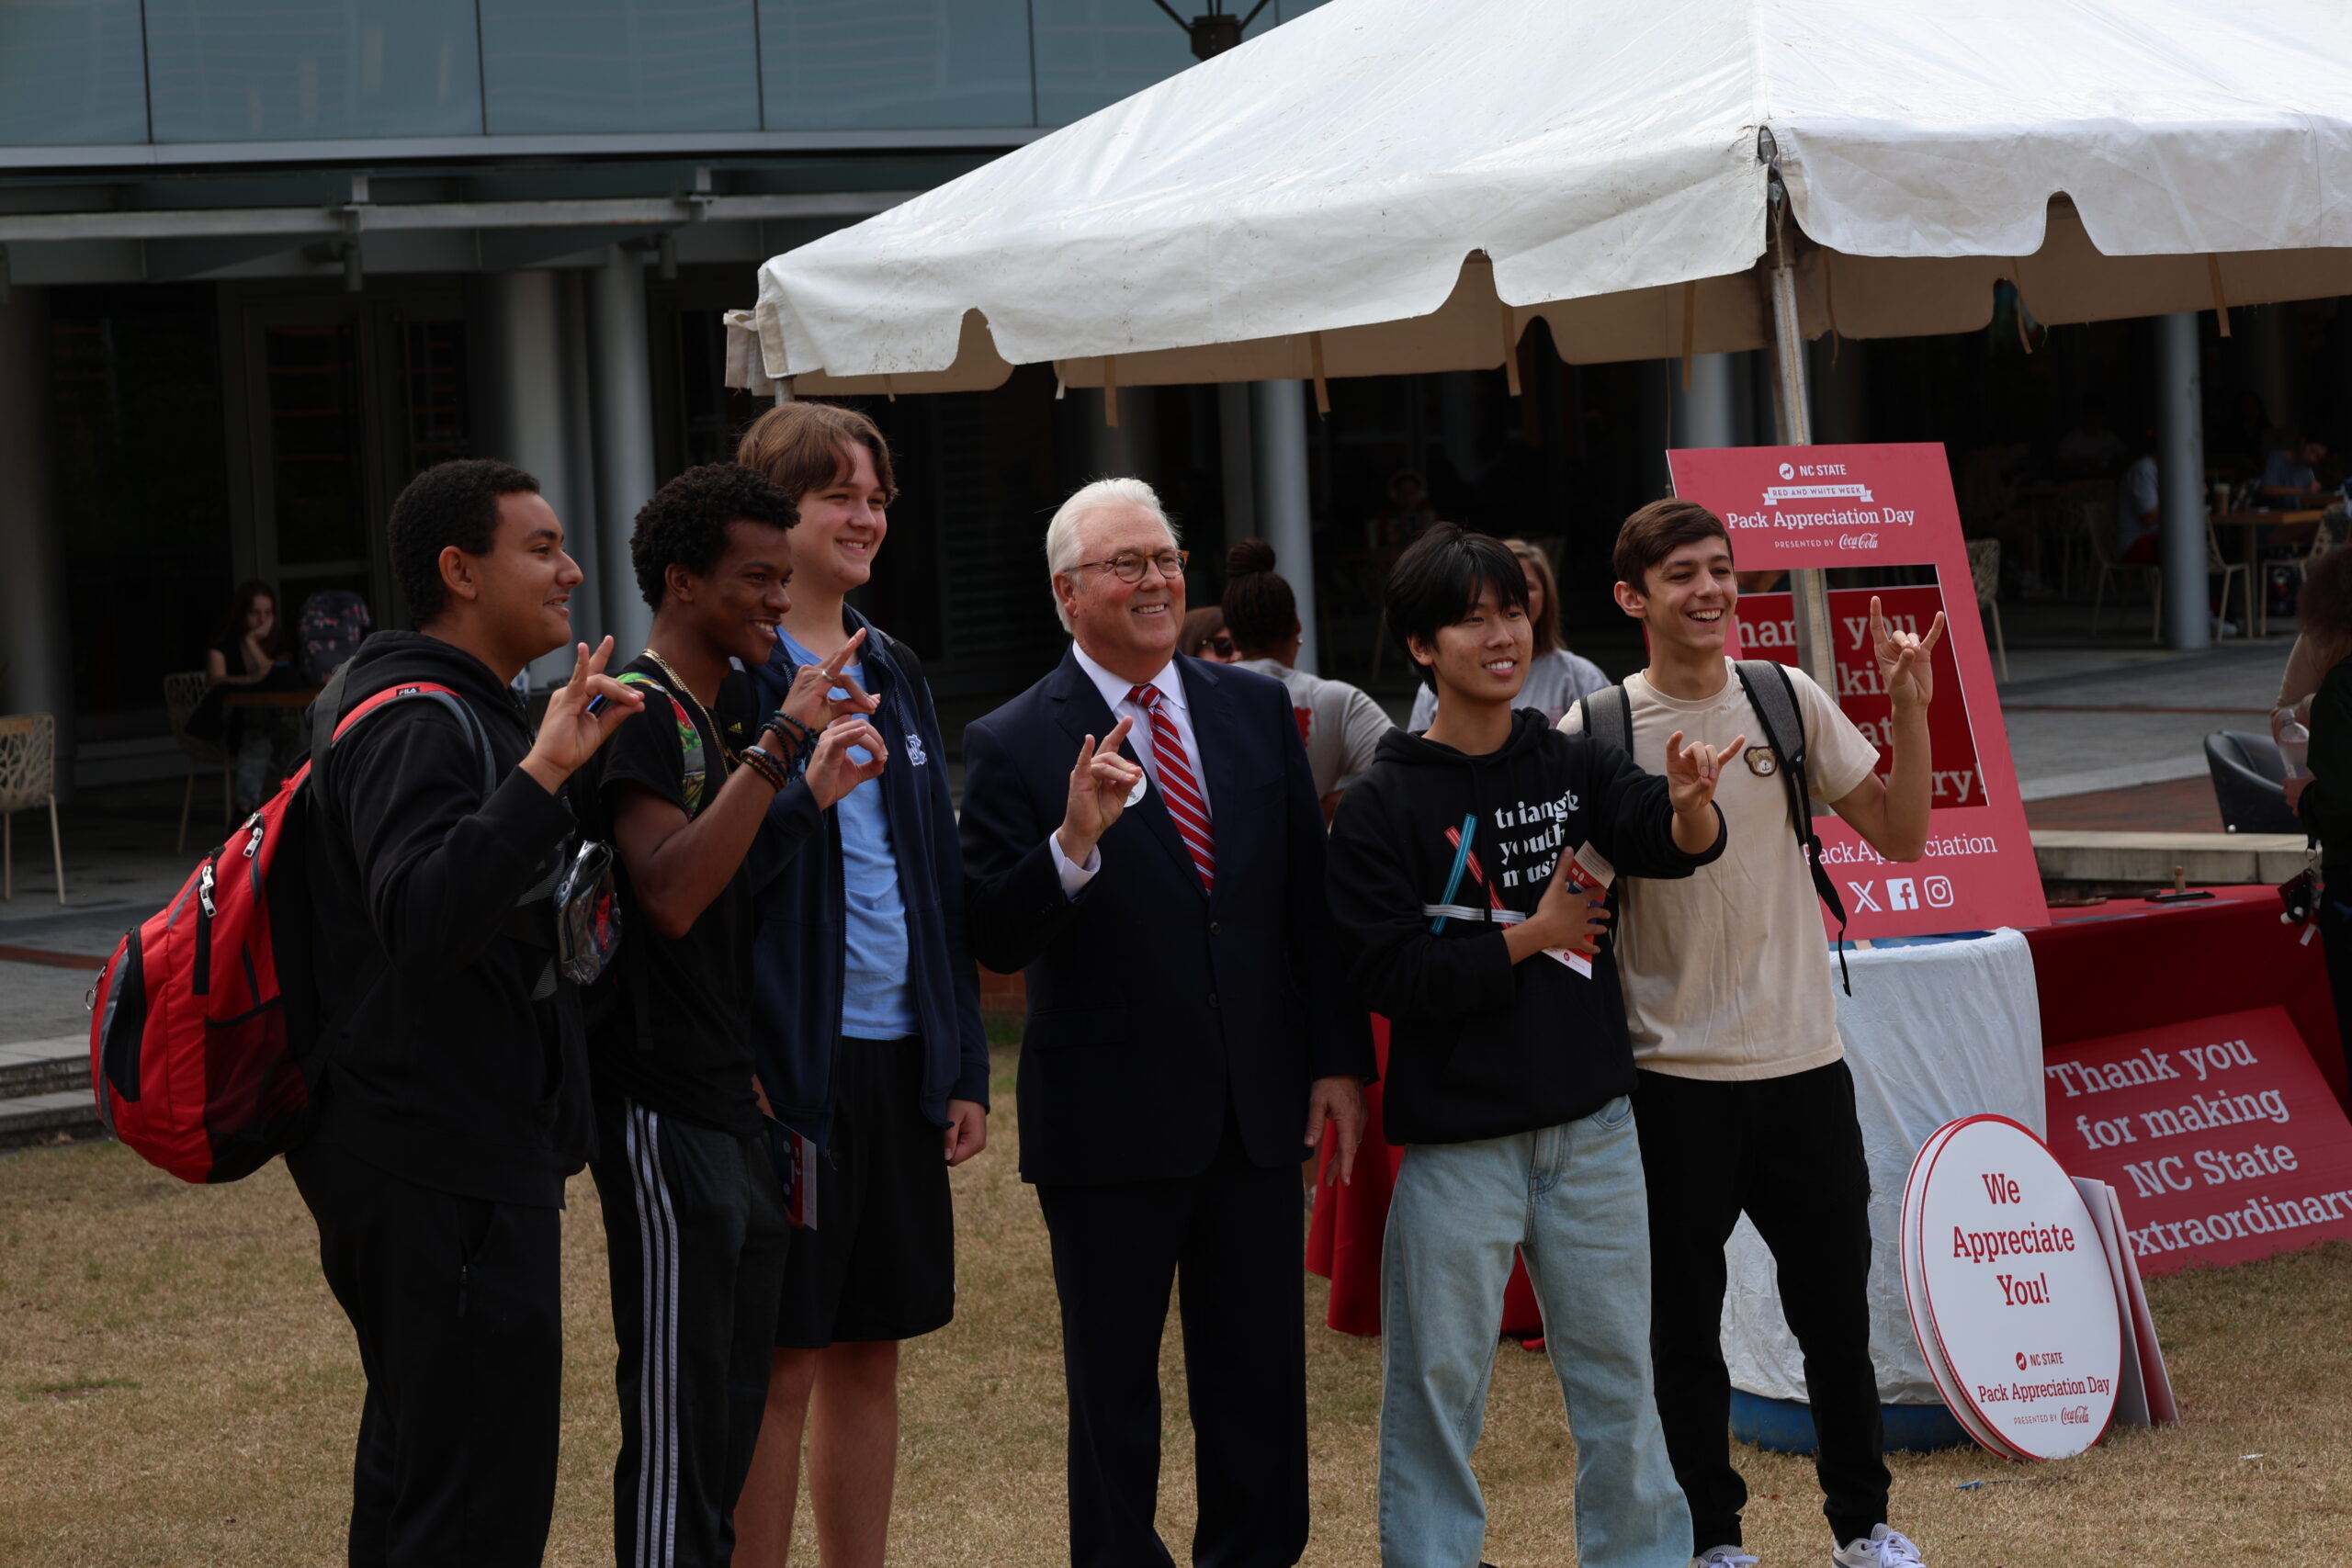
[{"x": 1792, "y": 405}]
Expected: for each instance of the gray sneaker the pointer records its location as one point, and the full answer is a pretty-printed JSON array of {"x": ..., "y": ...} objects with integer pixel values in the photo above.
[
  {"x": 1725, "y": 1557},
  {"x": 1883, "y": 1547}
]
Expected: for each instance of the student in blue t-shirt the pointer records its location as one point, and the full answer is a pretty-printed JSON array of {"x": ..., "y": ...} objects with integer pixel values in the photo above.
[{"x": 868, "y": 1037}]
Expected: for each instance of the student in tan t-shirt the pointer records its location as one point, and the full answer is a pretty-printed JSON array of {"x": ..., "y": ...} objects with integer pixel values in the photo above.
[{"x": 1744, "y": 1102}]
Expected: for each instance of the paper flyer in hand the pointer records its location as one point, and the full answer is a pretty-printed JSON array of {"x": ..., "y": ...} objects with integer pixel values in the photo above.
[{"x": 1588, "y": 868}]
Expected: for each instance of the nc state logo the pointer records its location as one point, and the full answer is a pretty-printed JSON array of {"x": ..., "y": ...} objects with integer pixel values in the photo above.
[{"x": 1760, "y": 761}]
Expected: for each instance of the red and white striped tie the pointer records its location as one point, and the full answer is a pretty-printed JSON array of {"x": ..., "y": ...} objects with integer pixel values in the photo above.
[{"x": 1177, "y": 784}]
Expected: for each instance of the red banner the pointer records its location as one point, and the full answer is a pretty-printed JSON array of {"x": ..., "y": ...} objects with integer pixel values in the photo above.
[
  {"x": 1791, "y": 507},
  {"x": 2221, "y": 1140}
]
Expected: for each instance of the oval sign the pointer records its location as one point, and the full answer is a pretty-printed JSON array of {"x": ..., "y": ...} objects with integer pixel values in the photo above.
[{"x": 2009, "y": 1291}]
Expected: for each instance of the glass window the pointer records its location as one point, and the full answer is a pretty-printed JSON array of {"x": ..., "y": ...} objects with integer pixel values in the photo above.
[
  {"x": 142, "y": 492},
  {"x": 1095, "y": 52},
  {"x": 71, "y": 74},
  {"x": 620, "y": 66},
  {"x": 859, "y": 64},
  {"x": 288, "y": 70}
]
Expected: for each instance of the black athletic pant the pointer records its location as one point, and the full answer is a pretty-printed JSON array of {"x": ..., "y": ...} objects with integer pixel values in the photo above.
[
  {"x": 2335, "y": 938},
  {"x": 1230, "y": 1240},
  {"x": 457, "y": 1305},
  {"x": 695, "y": 1240},
  {"x": 1789, "y": 1152}
]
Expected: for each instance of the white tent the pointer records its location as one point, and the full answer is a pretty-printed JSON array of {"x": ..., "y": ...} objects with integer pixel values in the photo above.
[{"x": 1394, "y": 186}]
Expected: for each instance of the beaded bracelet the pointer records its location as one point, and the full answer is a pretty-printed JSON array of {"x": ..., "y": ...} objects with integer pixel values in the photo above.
[
  {"x": 761, "y": 761},
  {"x": 799, "y": 736}
]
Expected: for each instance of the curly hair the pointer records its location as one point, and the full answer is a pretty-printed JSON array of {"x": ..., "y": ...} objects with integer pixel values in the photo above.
[
  {"x": 685, "y": 522},
  {"x": 449, "y": 504}
]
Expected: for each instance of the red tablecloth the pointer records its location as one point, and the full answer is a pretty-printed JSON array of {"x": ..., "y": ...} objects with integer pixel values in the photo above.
[
  {"x": 1343, "y": 1241},
  {"x": 2114, "y": 967},
  {"x": 2130, "y": 964}
]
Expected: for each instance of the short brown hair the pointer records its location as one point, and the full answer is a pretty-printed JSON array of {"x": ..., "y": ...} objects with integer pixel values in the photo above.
[
  {"x": 1657, "y": 531},
  {"x": 799, "y": 446}
]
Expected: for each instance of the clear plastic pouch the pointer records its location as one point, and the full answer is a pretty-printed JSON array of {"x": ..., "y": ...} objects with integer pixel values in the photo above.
[{"x": 587, "y": 915}]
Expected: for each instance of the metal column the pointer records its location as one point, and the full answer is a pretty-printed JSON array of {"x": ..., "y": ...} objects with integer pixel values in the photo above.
[
  {"x": 532, "y": 418},
  {"x": 1792, "y": 412},
  {"x": 34, "y": 641},
  {"x": 1707, "y": 414},
  {"x": 1278, "y": 445},
  {"x": 623, "y": 378},
  {"x": 2180, "y": 483}
]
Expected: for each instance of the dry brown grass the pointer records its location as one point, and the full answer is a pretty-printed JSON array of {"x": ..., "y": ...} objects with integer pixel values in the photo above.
[{"x": 178, "y": 1387}]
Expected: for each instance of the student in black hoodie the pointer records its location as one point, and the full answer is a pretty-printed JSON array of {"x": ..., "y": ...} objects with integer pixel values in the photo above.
[
  {"x": 1508, "y": 1067},
  {"x": 454, "y": 1101}
]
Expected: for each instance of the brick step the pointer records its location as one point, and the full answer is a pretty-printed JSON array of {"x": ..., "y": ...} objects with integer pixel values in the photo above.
[
  {"x": 61, "y": 1116},
  {"x": 19, "y": 1080}
]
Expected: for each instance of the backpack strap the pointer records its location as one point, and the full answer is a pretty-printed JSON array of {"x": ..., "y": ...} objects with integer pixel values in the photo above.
[
  {"x": 1774, "y": 697},
  {"x": 1608, "y": 715},
  {"x": 689, "y": 738}
]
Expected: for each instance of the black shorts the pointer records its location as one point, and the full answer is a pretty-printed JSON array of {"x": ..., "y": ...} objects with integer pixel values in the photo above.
[{"x": 880, "y": 1262}]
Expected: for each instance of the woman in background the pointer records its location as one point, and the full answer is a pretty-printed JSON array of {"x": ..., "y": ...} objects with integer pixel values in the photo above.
[
  {"x": 252, "y": 647},
  {"x": 2325, "y": 609},
  {"x": 1203, "y": 635},
  {"x": 1556, "y": 678},
  {"x": 1340, "y": 724}
]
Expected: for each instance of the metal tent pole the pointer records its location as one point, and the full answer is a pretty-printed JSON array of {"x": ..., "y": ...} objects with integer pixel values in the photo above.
[{"x": 1792, "y": 408}]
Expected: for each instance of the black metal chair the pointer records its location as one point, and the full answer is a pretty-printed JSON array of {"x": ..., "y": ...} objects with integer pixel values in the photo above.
[{"x": 2248, "y": 773}]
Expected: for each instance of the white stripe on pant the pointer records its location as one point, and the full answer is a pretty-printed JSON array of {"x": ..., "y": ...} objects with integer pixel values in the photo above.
[{"x": 657, "y": 1411}]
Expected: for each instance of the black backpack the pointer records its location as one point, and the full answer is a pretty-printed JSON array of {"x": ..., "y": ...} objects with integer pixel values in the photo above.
[{"x": 1608, "y": 717}]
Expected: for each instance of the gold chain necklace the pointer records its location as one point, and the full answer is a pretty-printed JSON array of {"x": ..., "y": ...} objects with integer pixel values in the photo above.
[{"x": 726, "y": 760}]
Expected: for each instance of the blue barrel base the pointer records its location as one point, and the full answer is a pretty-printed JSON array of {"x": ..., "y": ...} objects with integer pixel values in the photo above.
[{"x": 1785, "y": 1426}]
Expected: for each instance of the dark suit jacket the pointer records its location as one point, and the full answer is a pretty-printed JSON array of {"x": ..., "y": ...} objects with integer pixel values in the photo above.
[{"x": 1150, "y": 1002}]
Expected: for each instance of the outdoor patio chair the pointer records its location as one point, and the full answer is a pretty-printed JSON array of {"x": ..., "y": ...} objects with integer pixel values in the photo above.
[
  {"x": 27, "y": 778},
  {"x": 182, "y": 693},
  {"x": 2215, "y": 566},
  {"x": 1985, "y": 573},
  {"x": 2101, "y": 539},
  {"x": 2248, "y": 776}
]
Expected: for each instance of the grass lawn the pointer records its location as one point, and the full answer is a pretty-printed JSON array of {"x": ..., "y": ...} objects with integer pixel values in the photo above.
[{"x": 177, "y": 1386}]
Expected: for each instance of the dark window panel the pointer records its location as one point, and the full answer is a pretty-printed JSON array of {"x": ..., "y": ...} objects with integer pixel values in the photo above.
[
  {"x": 272, "y": 70},
  {"x": 555, "y": 66},
  {"x": 855, "y": 64}
]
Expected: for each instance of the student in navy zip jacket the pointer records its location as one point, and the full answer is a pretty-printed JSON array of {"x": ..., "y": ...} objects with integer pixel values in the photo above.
[{"x": 798, "y": 899}]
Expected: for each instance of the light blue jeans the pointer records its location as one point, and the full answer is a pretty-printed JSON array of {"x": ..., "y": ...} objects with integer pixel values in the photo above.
[{"x": 1570, "y": 1198}]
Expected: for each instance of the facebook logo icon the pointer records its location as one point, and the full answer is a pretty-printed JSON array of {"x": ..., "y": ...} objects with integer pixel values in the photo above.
[{"x": 1901, "y": 893}]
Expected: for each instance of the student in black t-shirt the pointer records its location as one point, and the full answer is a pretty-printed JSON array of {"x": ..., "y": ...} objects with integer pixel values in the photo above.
[{"x": 693, "y": 1225}]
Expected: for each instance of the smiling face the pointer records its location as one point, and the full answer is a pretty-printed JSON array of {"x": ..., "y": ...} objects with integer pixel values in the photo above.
[
  {"x": 736, "y": 608},
  {"x": 522, "y": 590},
  {"x": 1127, "y": 627},
  {"x": 1686, "y": 601},
  {"x": 841, "y": 526},
  {"x": 1482, "y": 658}
]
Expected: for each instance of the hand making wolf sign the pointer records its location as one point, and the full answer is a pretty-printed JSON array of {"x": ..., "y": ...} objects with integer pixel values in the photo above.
[{"x": 1904, "y": 668}]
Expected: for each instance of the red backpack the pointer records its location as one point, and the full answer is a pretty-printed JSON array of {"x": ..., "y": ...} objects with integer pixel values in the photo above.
[{"x": 205, "y": 1033}]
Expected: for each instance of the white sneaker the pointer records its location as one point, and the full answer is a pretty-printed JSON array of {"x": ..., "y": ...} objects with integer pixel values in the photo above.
[
  {"x": 1725, "y": 1557},
  {"x": 1883, "y": 1547}
]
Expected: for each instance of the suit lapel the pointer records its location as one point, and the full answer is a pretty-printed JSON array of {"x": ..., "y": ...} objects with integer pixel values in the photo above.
[{"x": 1083, "y": 712}]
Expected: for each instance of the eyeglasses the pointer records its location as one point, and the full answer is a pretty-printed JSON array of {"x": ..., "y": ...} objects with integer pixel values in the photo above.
[
  {"x": 1222, "y": 646},
  {"x": 1128, "y": 566}
]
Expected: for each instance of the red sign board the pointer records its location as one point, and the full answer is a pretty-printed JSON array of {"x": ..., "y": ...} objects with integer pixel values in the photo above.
[
  {"x": 1791, "y": 507},
  {"x": 2221, "y": 1138}
]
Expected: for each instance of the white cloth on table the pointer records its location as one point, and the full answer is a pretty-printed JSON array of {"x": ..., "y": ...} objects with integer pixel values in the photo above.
[{"x": 1933, "y": 1032}]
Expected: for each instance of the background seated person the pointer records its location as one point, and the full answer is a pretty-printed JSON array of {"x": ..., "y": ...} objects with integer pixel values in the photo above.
[{"x": 2287, "y": 473}]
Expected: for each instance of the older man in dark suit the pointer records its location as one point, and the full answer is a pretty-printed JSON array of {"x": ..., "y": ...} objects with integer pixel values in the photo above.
[{"x": 1186, "y": 1032}]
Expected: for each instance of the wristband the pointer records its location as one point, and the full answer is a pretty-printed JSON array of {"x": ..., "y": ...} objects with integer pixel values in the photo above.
[
  {"x": 765, "y": 763},
  {"x": 794, "y": 734}
]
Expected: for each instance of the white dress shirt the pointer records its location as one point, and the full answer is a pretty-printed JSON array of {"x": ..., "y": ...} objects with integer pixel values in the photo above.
[{"x": 1114, "y": 689}]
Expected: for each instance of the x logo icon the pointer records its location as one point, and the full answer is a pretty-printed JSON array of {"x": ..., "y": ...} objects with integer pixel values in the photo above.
[{"x": 1862, "y": 899}]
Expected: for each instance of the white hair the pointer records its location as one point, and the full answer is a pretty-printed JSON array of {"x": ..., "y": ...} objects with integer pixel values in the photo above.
[{"x": 1062, "y": 544}]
